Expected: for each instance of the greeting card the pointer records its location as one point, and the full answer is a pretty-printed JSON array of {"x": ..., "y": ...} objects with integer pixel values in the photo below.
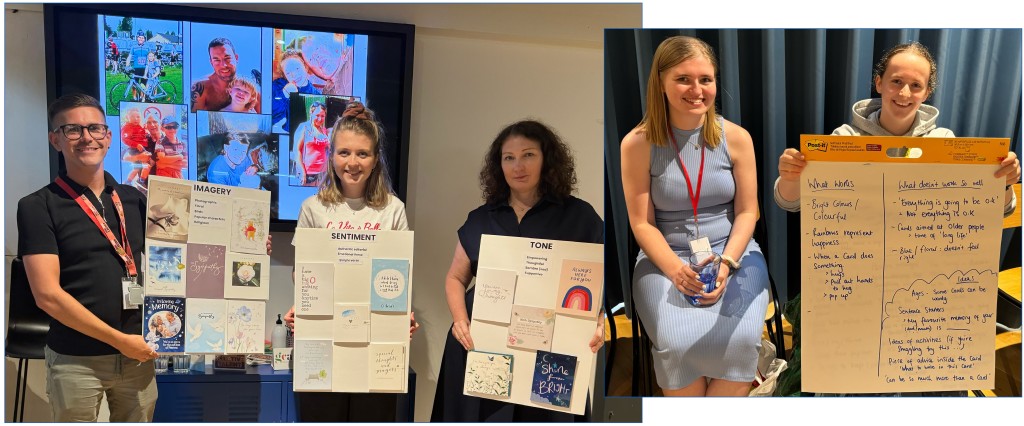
[
  {"x": 531, "y": 328},
  {"x": 246, "y": 325},
  {"x": 165, "y": 269},
  {"x": 488, "y": 374},
  {"x": 387, "y": 366},
  {"x": 351, "y": 323},
  {"x": 250, "y": 223},
  {"x": 580, "y": 287},
  {"x": 389, "y": 285},
  {"x": 163, "y": 323},
  {"x": 205, "y": 271},
  {"x": 495, "y": 291},
  {"x": 315, "y": 288},
  {"x": 311, "y": 365},
  {"x": 204, "y": 325},
  {"x": 553, "y": 377},
  {"x": 248, "y": 276}
]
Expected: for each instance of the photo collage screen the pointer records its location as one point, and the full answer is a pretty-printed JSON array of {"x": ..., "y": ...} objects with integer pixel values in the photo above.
[{"x": 233, "y": 105}]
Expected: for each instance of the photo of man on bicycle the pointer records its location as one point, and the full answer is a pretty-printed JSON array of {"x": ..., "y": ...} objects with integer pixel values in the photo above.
[{"x": 136, "y": 70}]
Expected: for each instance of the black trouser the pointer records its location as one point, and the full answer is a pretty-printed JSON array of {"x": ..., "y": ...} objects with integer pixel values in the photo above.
[{"x": 346, "y": 407}]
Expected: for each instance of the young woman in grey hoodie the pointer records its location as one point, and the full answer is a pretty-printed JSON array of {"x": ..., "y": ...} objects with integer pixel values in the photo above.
[{"x": 905, "y": 77}]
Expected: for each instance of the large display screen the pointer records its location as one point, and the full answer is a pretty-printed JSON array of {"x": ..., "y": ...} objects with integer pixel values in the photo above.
[{"x": 240, "y": 102}]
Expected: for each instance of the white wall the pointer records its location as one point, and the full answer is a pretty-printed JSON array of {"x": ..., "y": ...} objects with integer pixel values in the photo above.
[
  {"x": 477, "y": 68},
  {"x": 26, "y": 167}
]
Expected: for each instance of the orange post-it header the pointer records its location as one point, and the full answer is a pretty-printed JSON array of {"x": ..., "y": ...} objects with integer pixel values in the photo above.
[{"x": 904, "y": 149}]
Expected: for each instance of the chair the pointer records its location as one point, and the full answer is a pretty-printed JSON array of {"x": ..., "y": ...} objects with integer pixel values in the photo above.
[
  {"x": 773, "y": 321},
  {"x": 773, "y": 316},
  {"x": 1008, "y": 373},
  {"x": 27, "y": 326},
  {"x": 1010, "y": 279},
  {"x": 1008, "y": 314}
]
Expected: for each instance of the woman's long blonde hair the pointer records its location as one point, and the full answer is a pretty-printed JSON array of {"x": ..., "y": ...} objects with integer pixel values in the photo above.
[
  {"x": 361, "y": 121},
  {"x": 670, "y": 53}
]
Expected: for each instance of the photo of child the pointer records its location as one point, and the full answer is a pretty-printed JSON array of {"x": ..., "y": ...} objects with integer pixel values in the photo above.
[
  {"x": 220, "y": 54},
  {"x": 327, "y": 58},
  {"x": 237, "y": 149},
  {"x": 244, "y": 95},
  {"x": 134, "y": 151},
  {"x": 294, "y": 80},
  {"x": 152, "y": 142}
]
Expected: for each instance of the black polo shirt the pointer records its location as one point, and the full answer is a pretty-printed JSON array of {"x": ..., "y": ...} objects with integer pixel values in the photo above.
[
  {"x": 51, "y": 222},
  {"x": 569, "y": 219}
]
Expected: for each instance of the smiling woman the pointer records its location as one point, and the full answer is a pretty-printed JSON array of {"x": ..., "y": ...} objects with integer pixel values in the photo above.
[
  {"x": 528, "y": 179},
  {"x": 690, "y": 185},
  {"x": 355, "y": 193},
  {"x": 905, "y": 77}
]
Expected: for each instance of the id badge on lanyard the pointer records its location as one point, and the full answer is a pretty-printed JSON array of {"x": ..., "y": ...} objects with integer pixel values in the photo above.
[{"x": 132, "y": 292}]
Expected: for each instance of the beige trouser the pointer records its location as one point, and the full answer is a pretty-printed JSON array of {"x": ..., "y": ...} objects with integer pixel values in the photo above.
[{"x": 75, "y": 386}]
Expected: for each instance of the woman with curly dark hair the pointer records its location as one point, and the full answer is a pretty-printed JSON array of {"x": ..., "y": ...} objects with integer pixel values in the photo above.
[{"x": 527, "y": 180}]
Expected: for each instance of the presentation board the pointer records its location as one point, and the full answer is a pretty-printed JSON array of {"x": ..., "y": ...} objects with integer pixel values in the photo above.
[
  {"x": 353, "y": 301},
  {"x": 900, "y": 255},
  {"x": 207, "y": 275},
  {"x": 535, "y": 309}
]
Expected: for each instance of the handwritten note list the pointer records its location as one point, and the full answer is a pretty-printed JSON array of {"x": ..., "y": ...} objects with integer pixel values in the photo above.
[{"x": 899, "y": 269}]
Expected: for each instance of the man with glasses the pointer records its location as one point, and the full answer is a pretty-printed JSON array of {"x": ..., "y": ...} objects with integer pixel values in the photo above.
[
  {"x": 81, "y": 239},
  {"x": 170, "y": 152},
  {"x": 211, "y": 93}
]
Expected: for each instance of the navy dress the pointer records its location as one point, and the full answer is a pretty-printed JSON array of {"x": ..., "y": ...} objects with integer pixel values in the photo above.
[{"x": 569, "y": 219}]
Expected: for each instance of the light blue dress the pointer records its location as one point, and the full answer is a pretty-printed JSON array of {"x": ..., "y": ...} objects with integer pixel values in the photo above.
[{"x": 720, "y": 341}]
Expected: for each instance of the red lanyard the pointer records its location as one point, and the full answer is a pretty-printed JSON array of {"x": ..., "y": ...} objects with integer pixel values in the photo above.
[
  {"x": 694, "y": 198},
  {"x": 90, "y": 210}
]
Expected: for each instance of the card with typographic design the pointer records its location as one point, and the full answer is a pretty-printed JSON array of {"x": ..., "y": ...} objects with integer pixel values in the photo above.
[
  {"x": 389, "y": 285},
  {"x": 314, "y": 288},
  {"x": 387, "y": 366},
  {"x": 495, "y": 291},
  {"x": 205, "y": 271},
  {"x": 580, "y": 288},
  {"x": 553, "y": 378}
]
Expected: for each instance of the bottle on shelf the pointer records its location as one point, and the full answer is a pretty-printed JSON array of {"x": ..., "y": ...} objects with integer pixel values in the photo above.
[{"x": 279, "y": 337}]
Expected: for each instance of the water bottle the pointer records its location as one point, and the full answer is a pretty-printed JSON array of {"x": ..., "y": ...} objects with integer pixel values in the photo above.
[{"x": 279, "y": 336}]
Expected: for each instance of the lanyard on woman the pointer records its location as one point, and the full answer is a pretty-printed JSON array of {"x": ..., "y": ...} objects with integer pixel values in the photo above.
[
  {"x": 694, "y": 197},
  {"x": 124, "y": 251}
]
